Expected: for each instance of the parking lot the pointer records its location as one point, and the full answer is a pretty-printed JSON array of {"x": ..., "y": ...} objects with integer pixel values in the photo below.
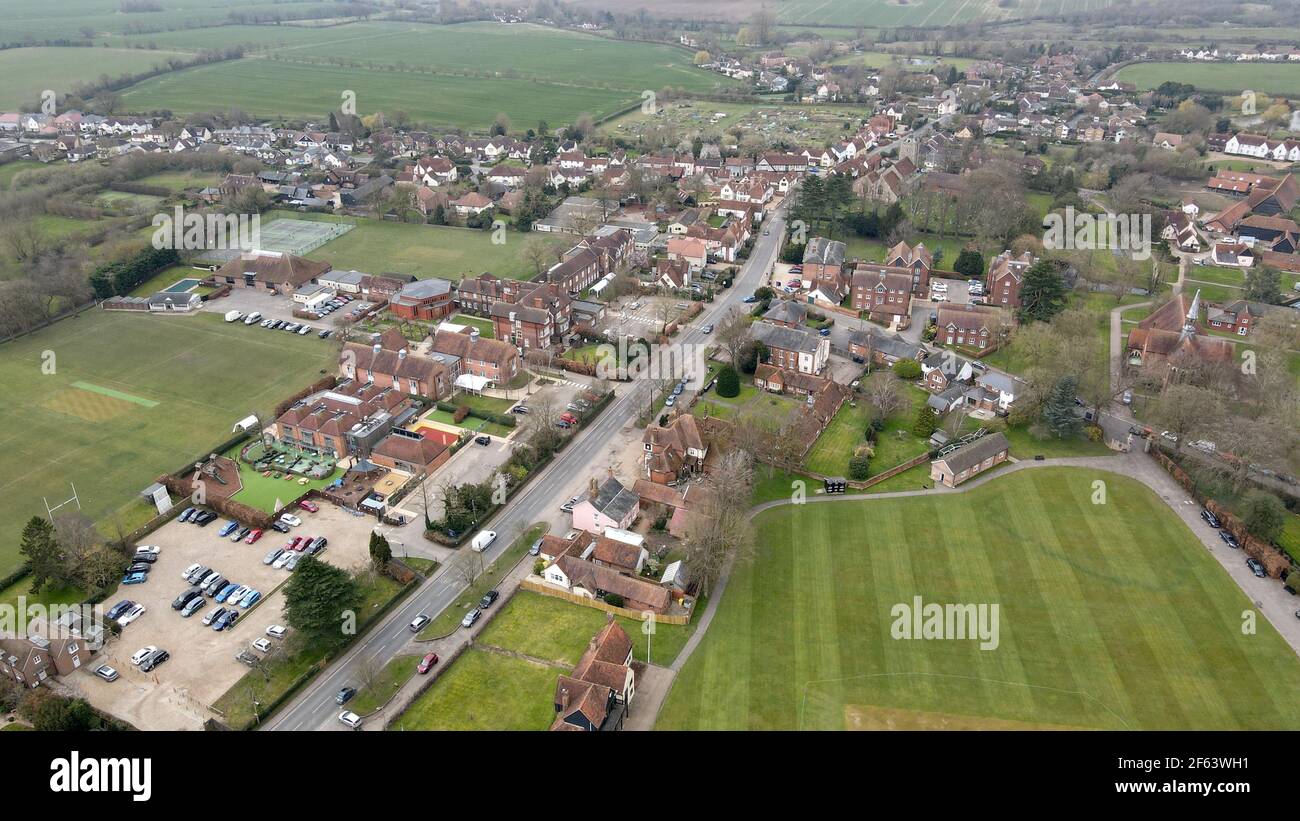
[{"x": 202, "y": 666}]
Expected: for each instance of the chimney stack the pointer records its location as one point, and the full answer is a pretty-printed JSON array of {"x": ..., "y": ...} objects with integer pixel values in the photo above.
[{"x": 377, "y": 348}]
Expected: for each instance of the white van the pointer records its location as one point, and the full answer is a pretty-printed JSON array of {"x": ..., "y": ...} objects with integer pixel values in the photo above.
[
  {"x": 232, "y": 316},
  {"x": 255, "y": 316},
  {"x": 483, "y": 541}
]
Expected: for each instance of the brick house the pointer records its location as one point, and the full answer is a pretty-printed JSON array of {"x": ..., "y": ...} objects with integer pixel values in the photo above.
[
  {"x": 884, "y": 293},
  {"x": 917, "y": 260},
  {"x": 272, "y": 271},
  {"x": 970, "y": 326},
  {"x": 674, "y": 452},
  {"x": 1238, "y": 317},
  {"x": 970, "y": 460},
  {"x": 31, "y": 661},
  {"x": 493, "y": 359},
  {"x": 1006, "y": 277},
  {"x": 794, "y": 349},
  {"x": 410, "y": 453},
  {"x": 823, "y": 266},
  {"x": 426, "y": 299},
  {"x": 539, "y": 314},
  {"x": 341, "y": 420},
  {"x": 596, "y": 695},
  {"x": 787, "y": 313}
]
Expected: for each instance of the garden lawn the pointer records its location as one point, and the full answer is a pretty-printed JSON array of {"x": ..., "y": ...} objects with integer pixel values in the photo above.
[
  {"x": 203, "y": 375},
  {"x": 486, "y": 328},
  {"x": 1110, "y": 617},
  {"x": 485, "y": 691}
]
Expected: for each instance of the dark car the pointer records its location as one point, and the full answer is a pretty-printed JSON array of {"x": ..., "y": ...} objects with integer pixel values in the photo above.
[
  {"x": 184, "y": 598},
  {"x": 226, "y": 620},
  {"x": 147, "y": 558},
  {"x": 1228, "y": 539},
  {"x": 488, "y": 598},
  {"x": 139, "y": 567},
  {"x": 1210, "y": 518},
  {"x": 345, "y": 695},
  {"x": 279, "y": 526},
  {"x": 153, "y": 660},
  {"x": 317, "y": 545},
  {"x": 482, "y": 440},
  {"x": 119, "y": 608},
  {"x": 1256, "y": 568},
  {"x": 205, "y": 518}
]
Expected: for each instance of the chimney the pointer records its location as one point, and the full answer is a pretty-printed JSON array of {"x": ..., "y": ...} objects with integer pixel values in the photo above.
[
  {"x": 564, "y": 699},
  {"x": 378, "y": 348},
  {"x": 401, "y": 354},
  {"x": 473, "y": 335}
]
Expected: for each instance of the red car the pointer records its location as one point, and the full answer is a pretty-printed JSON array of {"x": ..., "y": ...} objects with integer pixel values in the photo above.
[
  {"x": 292, "y": 544},
  {"x": 253, "y": 535},
  {"x": 426, "y": 663},
  {"x": 306, "y": 540},
  {"x": 309, "y": 506}
]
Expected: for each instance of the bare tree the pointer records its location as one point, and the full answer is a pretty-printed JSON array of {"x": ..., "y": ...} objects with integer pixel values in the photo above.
[
  {"x": 720, "y": 531},
  {"x": 733, "y": 333},
  {"x": 884, "y": 394},
  {"x": 1185, "y": 410}
]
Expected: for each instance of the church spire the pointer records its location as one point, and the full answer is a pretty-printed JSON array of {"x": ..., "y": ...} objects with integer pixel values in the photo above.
[{"x": 1193, "y": 315}]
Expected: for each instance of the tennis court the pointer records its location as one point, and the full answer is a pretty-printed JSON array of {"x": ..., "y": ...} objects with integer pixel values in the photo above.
[{"x": 289, "y": 236}]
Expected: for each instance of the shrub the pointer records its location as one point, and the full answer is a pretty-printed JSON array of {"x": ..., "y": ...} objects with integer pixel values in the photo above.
[
  {"x": 614, "y": 599},
  {"x": 538, "y": 567},
  {"x": 1264, "y": 515},
  {"x": 859, "y": 468},
  {"x": 460, "y": 414},
  {"x": 925, "y": 423},
  {"x": 728, "y": 382},
  {"x": 1093, "y": 432},
  {"x": 907, "y": 369}
]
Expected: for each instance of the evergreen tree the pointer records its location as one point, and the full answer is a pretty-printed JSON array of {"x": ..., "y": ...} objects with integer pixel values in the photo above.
[
  {"x": 926, "y": 422},
  {"x": 1058, "y": 411},
  {"x": 41, "y": 549},
  {"x": 380, "y": 551},
  {"x": 318, "y": 597},
  {"x": 728, "y": 382},
  {"x": 1042, "y": 294},
  {"x": 970, "y": 263}
]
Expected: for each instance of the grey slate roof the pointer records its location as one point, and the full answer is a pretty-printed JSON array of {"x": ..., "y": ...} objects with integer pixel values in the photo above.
[
  {"x": 823, "y": 251},
  {"x": 976, "y": 452},
  {"x": 614, "y": 500},
  {"x": 786, "y": 310},
  {"x": 789, "y": 339}
]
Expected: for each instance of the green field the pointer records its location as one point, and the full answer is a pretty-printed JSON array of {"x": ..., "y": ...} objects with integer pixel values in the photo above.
[
  {"x": 1110, "y": 616},
  {"x": 895, "y": 444},
  {"x": 435, "y": 74},
  {"x": 203, "y": 373},
  {"x": 919, "y": 12},
  {"x": 41, "y": 19},
  {"x": 377, "y": 246},
  {"x": 26, "y": 72},
  {"x": 1229, "y": 78}
]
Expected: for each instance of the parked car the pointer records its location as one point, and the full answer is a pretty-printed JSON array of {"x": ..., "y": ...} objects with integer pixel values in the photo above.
[
  {"x": 250, "y": 598},
  {"x": 135, "y": 578},
  {"x": 520, "y": 409},
  {"x": 291, "y": 520},
  {"x": 214, "y": 585},
  {"x": 145, "y": 558},
  {"x": 1210, "y": 518},
  {"x": 471, "y": 617},
  {"x": 205, "y": 518},
  {"x": 325, "y": 334},
  {"x": 214, "y": 615},
  {"x": 240, "y": 534},
  {"x": 294, "y": 558},
  {"x": 309, "y": 506},
  {"x": 317, "y": 545},
  {"x": 119, "y": 608},
  {"x": 419, "y": 623},
  {"x": 1127, "y": 397},
  {"x": 155, "y": 658},
  {"x": 185, "y": 598},
  {"x": 345, "y": 695},
  {"x": 192, "y": 573},
  {"x": 272, "y": 555},
  {"x": 279, "y": 527},
  {"x": 483, "y": 541},
  {"x": 1229, "y": 539},
  {"x": 488, "y": 598},
  {"x": 193, "y": 607},
  {"x": 1256, "y": 568},
  {"x": 536, "y": 548},
  {"x": 226, "y": 592},
  {"x": 262, "y": 645},
  {"x": 567, "y": 507},
  {"x": 670, "y": 401},
  {"x": 187, "y": 514},
  {"x": 148, "y": 550},
  {"x": 254, "y": 535},
  {"x": 227, "y": 529},
  {"x": 482, "y": 440},
  {"x": 142, "y": 654},
  {"x": 276, "y": 631},
  {"x": 426, "y": 663},
  {"x": 226, "y": 621},
  {"x": 140, "y": 567},
  {"x": 106, "y": 673},
  {"x": 351, "y": 719},
  {"x": 133, "y": 613}
]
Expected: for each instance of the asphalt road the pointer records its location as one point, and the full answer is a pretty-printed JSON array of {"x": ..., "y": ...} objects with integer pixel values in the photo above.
[{"x": 314, "y": 707}]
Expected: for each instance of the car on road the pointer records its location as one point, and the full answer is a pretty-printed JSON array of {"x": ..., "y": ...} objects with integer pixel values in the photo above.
[
  {"x": 291, "y": 520},
  {"x": 1256, "y": 568},
  {"x": 351, "y": 719},
  {"x": 483, "y": 541},
  {"x": 1127, "y": 397},
  {"x": 426, "y": 663},
  {"x": 520, "y": 409},
  {"x": 767, "y": 232},
  {"x": 1229, "y": 539},
  {"x": 276, "y": 631},
  {"x": 214, "y": 615},
  {"x": 106, "y": 673},
  {"x": 345, "y": 695},
  {"x": 1210, "y": 518},
  {"x": 670, "y": 401},
  {"x": 155, "y": 658},
  {"x": 135, "y": 578},
  {"x": 708, "y": 329},
  {"x": 488, "y": 598},
  {"x": 193, "y": 607},
  {"x": 482, "y": 440},
  {"x": 309, "y": 506},
  {"x": 142, "y": 654},
  {"x": 125, "y": 605},
  {"x": 471, "y": 617},
  {"x": 263, "y": 645},
  {"x": 419, "y": 623},
  {"x": 749, "y": 300}
]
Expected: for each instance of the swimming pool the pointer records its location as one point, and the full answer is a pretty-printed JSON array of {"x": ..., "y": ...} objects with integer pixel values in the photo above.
[{"x": 182, "y": 286}]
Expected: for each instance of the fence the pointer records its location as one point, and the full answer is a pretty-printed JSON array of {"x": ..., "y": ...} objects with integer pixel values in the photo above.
[
  {"x": 547, "y": 590},
  {"x": 879, "y": 477}
]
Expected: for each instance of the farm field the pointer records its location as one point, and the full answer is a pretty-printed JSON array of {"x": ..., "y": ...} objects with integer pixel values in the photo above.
[
  {"x": 1110, "y": 617},
  {"x": 376, "y": 246},
  {"x": 1230, "y": 78},
  {"x": 61, "y": 427},
  {"x": 41, "y": 19},
  {"x": 801, "y": 14},
  {"x": 26, "y": 72}
]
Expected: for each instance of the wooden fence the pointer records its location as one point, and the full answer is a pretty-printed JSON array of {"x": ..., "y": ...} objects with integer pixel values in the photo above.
[{"x": 585, "y": 601}]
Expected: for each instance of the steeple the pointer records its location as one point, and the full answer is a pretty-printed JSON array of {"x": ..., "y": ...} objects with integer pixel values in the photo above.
[{"x": 1193, "y": 315}]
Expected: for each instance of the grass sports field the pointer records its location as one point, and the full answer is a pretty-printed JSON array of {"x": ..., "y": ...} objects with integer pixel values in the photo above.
[
  {"x": 26, "y": 72},
  {"x": 376, "y": 246},
  {"x": 433, "y": 73},
  {"x": 131, "y": 396},
  {"x": 1110, "y": 616},
  {"x": 1229, "y": 78},
  {"x": 42, "y": 19}
]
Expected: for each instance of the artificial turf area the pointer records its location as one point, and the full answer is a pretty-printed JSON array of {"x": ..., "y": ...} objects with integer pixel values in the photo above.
[
  {"x": 204, "y": 375},
  {"x": 1111, "y": 616}
]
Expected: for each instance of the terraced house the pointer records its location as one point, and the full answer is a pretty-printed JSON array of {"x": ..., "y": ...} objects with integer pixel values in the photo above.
[{"x": 389, "y": 363}]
